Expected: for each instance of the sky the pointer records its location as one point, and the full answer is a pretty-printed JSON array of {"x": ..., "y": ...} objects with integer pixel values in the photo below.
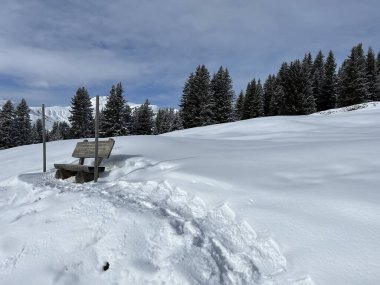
[{"x": 49, "y": 48}]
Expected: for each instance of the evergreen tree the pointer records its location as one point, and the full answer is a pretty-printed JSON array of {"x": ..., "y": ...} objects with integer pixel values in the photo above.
[
  {"x": 329, "y": 88},
  {"x": 34, "y": 135},
  {"x": 81, "y": 119},
  {"x": 166, "y": 121},
  {"x": 23, "y": 125},
  {"x": 295, "y": 90},
  {"x": 269, "y": 89},
  {"x": 114, "y": 114},
  {"x": 64, "y": 130},
  {"x": 203, "y": 89},
  {"x": 7, "y": 126},
  {"x": 177, "y": 124},
  {"x": 38, "y": 126},
  {"x": 353, "y": 82},
  {"x": 143, "y": 122},
  {"x": 277, "y": 100},
  {"x": 377, "y": 86},
  {"x": 159, "y": 123},
  {"x": 223, "y": 96},
  {"x": 258, "y": 101},
  {"x": 249, "y": 98},
  {"x": 55, "y": 134},
  {"x": 371, "y": 74},
  {"x": 318, "y": 80},
  {"x": 188, "y": 103},
  {"x": 127, "y": 119},
  {"x": 197, "y": 104},
  {"x": 308, "y": 101},
  {"x": 239, "y": 106}
]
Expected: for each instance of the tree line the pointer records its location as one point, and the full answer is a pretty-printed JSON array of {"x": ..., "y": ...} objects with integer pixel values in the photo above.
[
  {"x": 116, "y": 119},
  {"x": 300, "y": 87}
]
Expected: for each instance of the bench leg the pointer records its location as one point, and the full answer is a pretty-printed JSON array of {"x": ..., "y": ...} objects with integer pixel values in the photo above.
[
  {"x": 82, "y": 177},
  {"x": 63, "y": 174}
]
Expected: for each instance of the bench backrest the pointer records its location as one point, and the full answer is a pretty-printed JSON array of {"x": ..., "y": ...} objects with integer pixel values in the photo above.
[{"x": 86, "y": 149}]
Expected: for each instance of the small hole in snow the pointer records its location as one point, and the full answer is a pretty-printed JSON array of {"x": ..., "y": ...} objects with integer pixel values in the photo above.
[{"x": 106, "y": 266}]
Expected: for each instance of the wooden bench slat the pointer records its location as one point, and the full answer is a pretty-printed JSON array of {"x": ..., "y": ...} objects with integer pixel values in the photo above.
[
  {"x": 77, "y": 168},
  {"x": 87, "y": 149}
]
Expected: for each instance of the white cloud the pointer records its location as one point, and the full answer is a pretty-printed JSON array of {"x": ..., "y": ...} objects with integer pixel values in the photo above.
[{"x": 55, "y": 44}]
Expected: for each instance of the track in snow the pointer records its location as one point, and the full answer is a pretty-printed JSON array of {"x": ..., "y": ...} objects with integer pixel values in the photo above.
[{"x": 184, "y": 242}]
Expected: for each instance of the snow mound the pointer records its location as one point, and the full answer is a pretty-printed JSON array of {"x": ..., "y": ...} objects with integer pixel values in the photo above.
[
  {"x": 368, "y": 106},
  {"x": 149, "y": 232}
]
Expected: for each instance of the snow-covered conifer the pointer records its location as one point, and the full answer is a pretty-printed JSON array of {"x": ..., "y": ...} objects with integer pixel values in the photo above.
[
  {"x": 23, "y": 125},
  {"x": 81, "y": 118}
]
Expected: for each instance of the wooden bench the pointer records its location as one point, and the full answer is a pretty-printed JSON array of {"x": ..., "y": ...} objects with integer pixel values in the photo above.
[{"x": 85, "y": 173}]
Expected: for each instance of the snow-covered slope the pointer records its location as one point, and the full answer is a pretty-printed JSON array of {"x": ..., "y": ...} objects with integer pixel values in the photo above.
[
  {"x": 277, "y": 200},
  {"x": 62, "y": 113}
]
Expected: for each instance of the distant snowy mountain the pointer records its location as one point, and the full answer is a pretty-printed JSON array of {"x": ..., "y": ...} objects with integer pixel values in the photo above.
[
  {"x": 62, "y": 113},
  {"x": 2, "y": 101}
]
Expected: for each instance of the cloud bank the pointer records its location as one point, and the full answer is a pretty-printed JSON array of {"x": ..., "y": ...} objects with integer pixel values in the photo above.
[{"x": 49, "y": 48}]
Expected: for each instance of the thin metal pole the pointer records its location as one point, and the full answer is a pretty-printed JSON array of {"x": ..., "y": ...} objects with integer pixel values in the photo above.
[
  {"x": 43, "y": 139},
  {"x": 96, "y": 170}
]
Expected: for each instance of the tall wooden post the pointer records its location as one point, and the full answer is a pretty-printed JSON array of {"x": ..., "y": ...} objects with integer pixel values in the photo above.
[
  {"x": 43, "y": 139},
  {"x": 96, "y": 170}
]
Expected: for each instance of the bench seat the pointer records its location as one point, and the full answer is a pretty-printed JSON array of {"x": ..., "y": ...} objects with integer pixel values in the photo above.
[{"x": 76, "y": 167}]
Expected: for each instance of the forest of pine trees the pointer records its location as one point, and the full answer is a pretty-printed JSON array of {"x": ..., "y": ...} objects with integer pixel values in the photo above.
[{"x": 300, "y": 87}]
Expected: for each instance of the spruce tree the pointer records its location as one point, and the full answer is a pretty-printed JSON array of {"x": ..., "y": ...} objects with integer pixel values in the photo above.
[
  {"x": 277, "y": 100},
  {"x": 203, "y": 90},
  {"x": 308, "y": 101},
  {"x": 7, "y": 126},
  {"x": 127, "y": 119},
  {"x": 318, "y": 73},
  {"x": 239, "y": 106},
  {"x": 377, "y": 86},
  {"x": 188, "y": 103},
  {"x": 329, "y": 88},
  {"x": 258, "y": 101},
  {"x": 64, "y": 130},
  {"x": 249, "y": 98},
  {"x": 39, "y": 131},
  {"x": 177, "y": 123},
  {"x": 159, "y": 122},
  {"x": 371, "y": 74},
  {"x": 223, "y": 96},
  {"x": 55, "y": 134},
  {"x": 166, "y": 121},
  {"x": 34, "y": 135},
  {"x": 81, "y": 119},
  {"x": 143, "y": 123},
  {"x": 269, "y": 88},
  {"x": 114, "y": 115},
  {"x": 353, "y": 82},
  {"x": 295, "y": 88},
  {"x": 22, "y": 124},
  {"x": 197, "y": 104}
]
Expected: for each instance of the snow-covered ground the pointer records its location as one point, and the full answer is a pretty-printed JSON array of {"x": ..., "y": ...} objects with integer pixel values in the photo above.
[
  {"x": 62, "y": 113},
  {"x": 276, "y": 200}
]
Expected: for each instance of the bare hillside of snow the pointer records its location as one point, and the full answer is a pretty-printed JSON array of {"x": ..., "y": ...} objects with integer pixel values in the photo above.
[{"x": 276, "y": 200}]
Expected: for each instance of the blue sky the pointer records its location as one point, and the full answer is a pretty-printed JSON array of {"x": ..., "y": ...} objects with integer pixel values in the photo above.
[{"x": 49, "y": 48}]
